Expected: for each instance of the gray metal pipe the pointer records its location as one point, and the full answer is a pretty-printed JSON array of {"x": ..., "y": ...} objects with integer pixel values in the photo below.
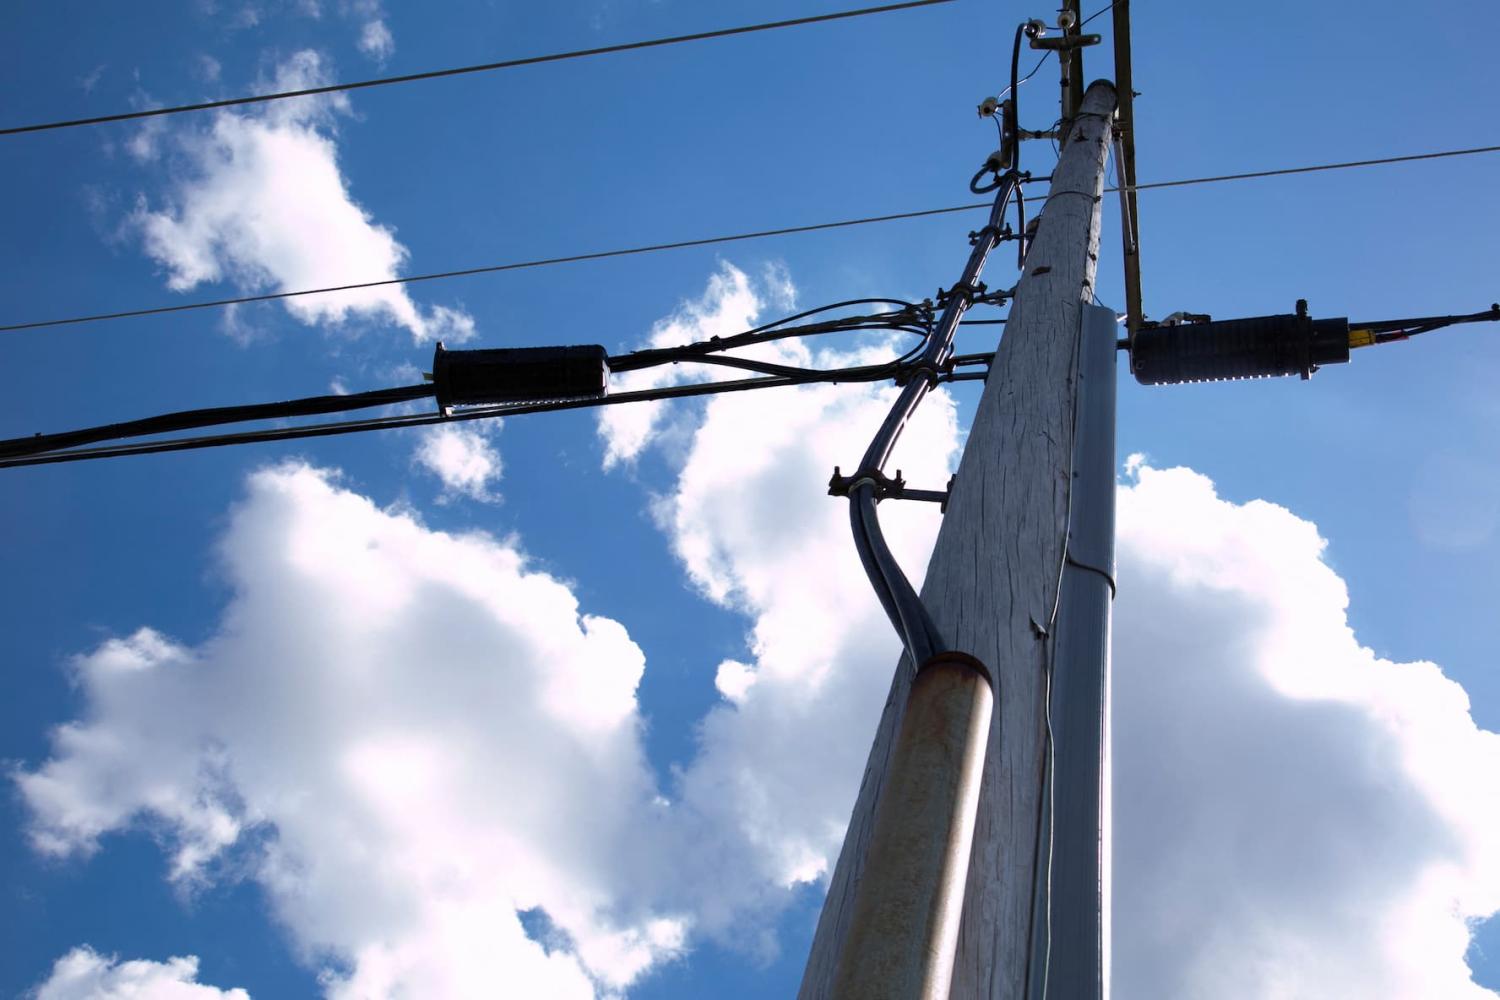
[
  {"x": 1070, "y": 937},
  {"x": 904, "y": 927}
]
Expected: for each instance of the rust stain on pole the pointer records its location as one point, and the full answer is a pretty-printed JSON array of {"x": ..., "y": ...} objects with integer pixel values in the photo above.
[{"x": 904, "y": 928}]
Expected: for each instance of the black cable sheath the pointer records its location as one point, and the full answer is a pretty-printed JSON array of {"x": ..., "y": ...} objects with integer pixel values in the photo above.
[
  {"x": 427, "y": 419},
  {"x": 887, "y": 370},
  {"x": 1424, "y": 324},
  {"x": 903, "y": 605},
  {"x": 167, "y": 423},
  {"x": 703, "y": 352},
  {"x": 901, "y": 319},
  {"x": 877, "y": 576}
]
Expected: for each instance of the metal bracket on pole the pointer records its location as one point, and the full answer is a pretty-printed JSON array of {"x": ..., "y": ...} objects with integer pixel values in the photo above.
[{"x": 887, "y": 488}]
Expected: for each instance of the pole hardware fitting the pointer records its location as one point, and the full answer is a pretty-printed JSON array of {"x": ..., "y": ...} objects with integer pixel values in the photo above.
[
  {"x": 1001, "y": 234},
  {"x": 996, "y": 298},
  {"x": 989, "y": 106},
  {"x": 996, "y": 163},
  {"x": 1001, "y": 164},
  {"x": 932, "y": 374},
  {"x": 954, "y": 657},
  {"x": 966, "y": 360},
  {"x": 1064, "y": 43},
  {"x": 1182, "y": 317},
  {"x": 886, "y": 487},
  {"x": 970, "y": 293}
]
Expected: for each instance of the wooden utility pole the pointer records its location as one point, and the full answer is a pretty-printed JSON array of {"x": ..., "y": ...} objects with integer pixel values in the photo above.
[{"x": 993, "y": 589}]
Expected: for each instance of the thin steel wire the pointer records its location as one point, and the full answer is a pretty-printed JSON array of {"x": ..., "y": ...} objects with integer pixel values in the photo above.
[
  {"x": 706, "y": 241},
  {"x": 697, "y": 36}
]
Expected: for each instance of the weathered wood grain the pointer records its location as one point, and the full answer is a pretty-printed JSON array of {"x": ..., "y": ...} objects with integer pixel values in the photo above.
[{"x": 992, "y": 582}]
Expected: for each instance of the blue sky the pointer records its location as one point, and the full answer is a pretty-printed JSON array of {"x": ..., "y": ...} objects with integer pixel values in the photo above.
[{"x": 365, "y": 749}]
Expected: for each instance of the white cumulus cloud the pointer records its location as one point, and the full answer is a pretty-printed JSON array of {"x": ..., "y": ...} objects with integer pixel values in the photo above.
[
  {"x": 1294, "y": 816},
  {"x": 84, "y": 974},
  {"x": 258, "y": 199},
  {"x": 462, "y": 458},
  {"x": 727, "y": 306},
  {"x": 407, "y": 737}
]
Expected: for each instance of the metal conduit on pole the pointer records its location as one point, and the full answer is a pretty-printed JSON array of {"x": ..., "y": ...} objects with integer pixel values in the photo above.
[
  {"x": 992, "y": 591},
  {"x": 1070, "y": 941},
  {"x": 905, "y": 921}
]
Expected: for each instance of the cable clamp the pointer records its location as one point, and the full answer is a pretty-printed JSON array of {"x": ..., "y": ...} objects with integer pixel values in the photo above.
[
  {"x": 886, "y": 487},
  {"x": 963, "y": 290},
  {"x": 920, "y": 369},
  {"x": 840, "y": 485},
  {"x": 1001, "y": 234}
]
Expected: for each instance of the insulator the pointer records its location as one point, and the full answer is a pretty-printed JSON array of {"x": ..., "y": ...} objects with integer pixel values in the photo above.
[{"x": 519, "y": 374}]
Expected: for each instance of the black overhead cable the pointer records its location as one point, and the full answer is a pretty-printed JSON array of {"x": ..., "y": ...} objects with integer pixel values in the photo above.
[
  {"x": 835, "y": 375},
  {"x": 480, "y": 68},
  {"x": 909, "y": 317},
  {"x": 424, "y": 419},
  {"x": 188, "y": 419},
  {"x": 1389, "y": 330},
  {"x": 705, "y": 241}
]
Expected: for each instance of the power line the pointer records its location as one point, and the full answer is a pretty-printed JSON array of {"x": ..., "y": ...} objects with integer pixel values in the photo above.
[
  {"x": 480, "y": 68},
  {"x": 1101, "y": 10},
  {"x": 1283, "y": 171},
  {"x": 488, "y": 269},
  {"x": 705, "y": 241},
  {"x": 910, "y": 317},
  {"x": 420, "y": 420}
]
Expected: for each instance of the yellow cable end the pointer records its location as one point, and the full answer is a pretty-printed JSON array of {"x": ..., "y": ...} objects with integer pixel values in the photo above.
[{"x": 1361, "y": 338}]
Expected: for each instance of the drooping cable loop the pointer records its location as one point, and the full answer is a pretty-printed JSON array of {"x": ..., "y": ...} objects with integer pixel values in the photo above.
[{"x": 508, "y": 380}]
